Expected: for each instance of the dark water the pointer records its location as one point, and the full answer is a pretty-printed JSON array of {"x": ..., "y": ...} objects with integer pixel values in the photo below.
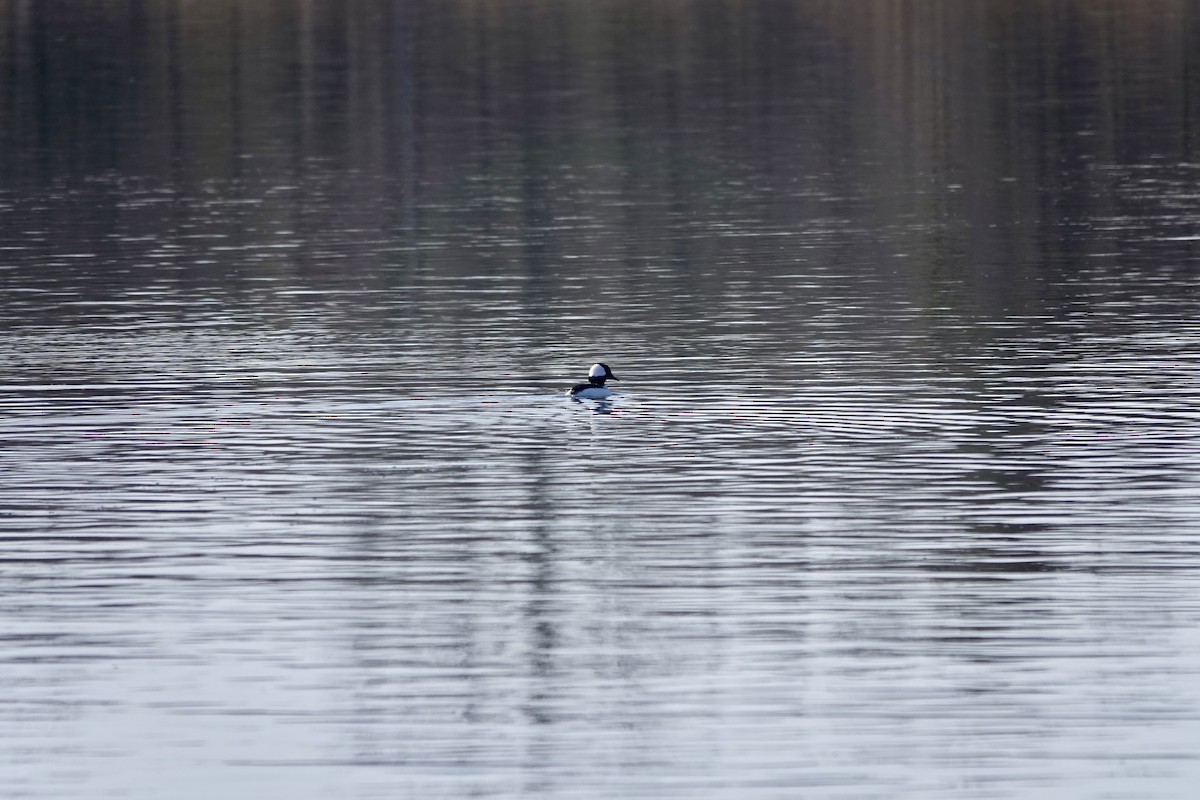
[{"x": 898, "y": 499}]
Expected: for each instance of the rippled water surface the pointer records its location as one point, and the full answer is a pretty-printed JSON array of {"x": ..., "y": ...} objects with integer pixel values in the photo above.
[{"x": 898, "y": 497}]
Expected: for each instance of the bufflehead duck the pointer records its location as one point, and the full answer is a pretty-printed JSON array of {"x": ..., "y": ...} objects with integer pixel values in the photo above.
[{"x": 594, "y": 389}]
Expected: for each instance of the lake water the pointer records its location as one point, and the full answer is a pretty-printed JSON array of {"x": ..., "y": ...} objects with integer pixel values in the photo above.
[{"x": 899, "y": 497}]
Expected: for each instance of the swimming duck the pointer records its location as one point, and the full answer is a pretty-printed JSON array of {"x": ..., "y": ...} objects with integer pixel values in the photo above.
[{"x": 594, "y": 389}]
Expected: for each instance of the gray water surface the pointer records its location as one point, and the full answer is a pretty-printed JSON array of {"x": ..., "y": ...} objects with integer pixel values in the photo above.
[{"x": 898, "y": 497}]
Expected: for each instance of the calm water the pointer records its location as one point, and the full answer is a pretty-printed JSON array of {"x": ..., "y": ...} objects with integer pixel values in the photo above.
[{"x": 898, "y": 499}]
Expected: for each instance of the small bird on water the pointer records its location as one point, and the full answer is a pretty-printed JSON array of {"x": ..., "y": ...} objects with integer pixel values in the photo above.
[{"x": 594, "y": 389}]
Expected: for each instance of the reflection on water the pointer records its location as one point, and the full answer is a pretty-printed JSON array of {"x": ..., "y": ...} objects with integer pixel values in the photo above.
[{"x": 897, "y": 498}]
